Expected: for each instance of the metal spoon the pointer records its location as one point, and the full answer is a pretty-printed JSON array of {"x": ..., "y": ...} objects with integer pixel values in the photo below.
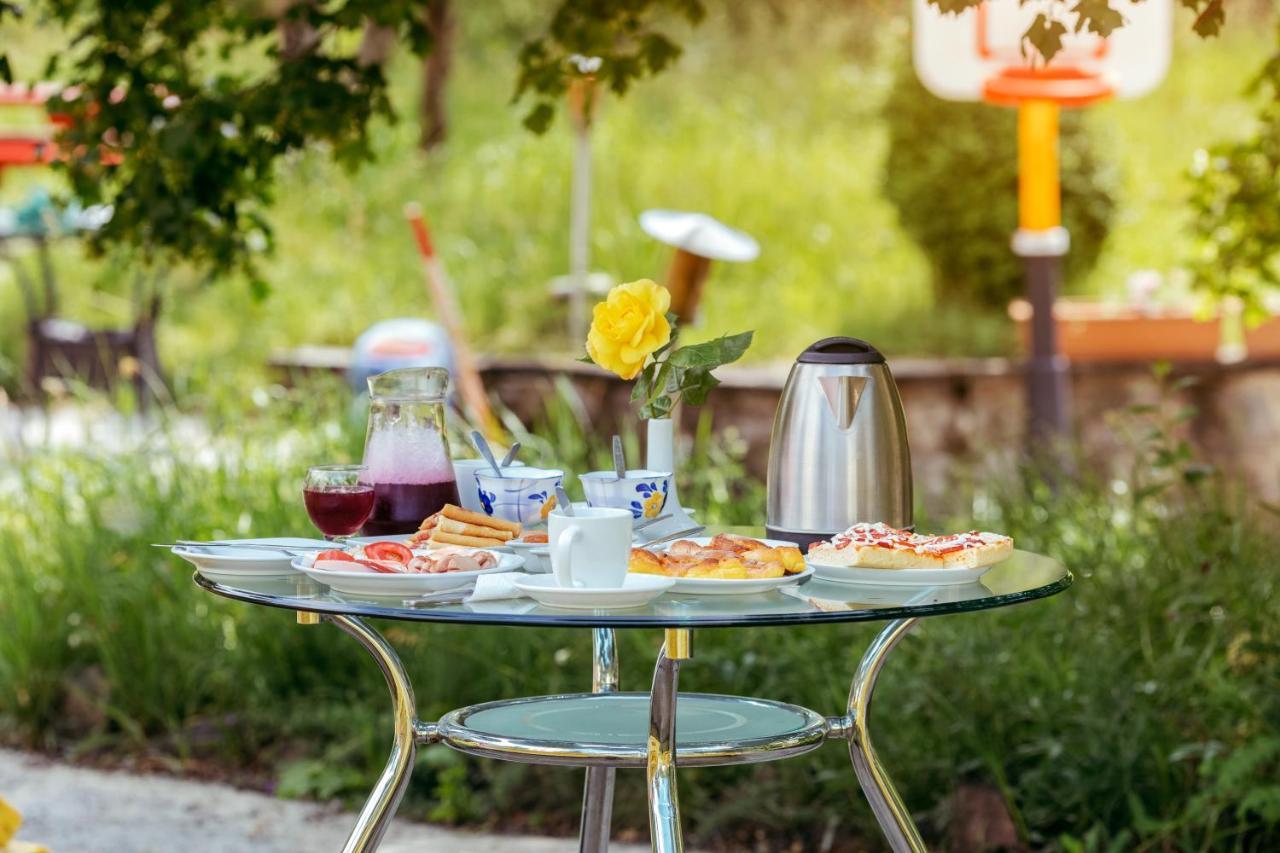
[
  {"x": 448, "y": 596},
  {"x": 649, "y": 522},
  {"x": 511, "y": 455},
  {"x": 483, "y": 447},
  {"x": 562, "y": 501},
  {"x": 619, "y": 459},
  {"x": 249, "y": 546},
  {"x": 689, "y": 531}
]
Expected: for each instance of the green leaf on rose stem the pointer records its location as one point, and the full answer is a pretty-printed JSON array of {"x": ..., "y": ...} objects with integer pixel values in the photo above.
[
  {"x": 658, "y": 407},
  {"x": 585, "y": 359},
  {"x": 712, "y": 354},
  {"x": 697, "y": 385},
  {"x": 643, "y": 386},
  {"x": 662, "y": 381}
]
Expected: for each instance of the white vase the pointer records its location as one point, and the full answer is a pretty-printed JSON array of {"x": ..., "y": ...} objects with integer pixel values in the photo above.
[{"x": 660, "y": 455}]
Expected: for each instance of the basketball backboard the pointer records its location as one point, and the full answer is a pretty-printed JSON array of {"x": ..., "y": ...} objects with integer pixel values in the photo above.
[{"x": 976, "y": 55}]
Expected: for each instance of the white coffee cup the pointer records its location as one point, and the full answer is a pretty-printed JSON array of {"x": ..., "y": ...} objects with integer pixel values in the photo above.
[{"x": 591, "y": 548}]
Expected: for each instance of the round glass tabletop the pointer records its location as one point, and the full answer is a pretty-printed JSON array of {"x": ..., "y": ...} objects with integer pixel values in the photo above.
[{"x": 1023, "y": 577}]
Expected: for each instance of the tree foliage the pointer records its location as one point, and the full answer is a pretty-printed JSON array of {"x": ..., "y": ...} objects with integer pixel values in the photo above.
[
  {"x": 611, "y": 40},
  {"x": 180, "y": 111},
  {"x": 184, "y": 109},
  {"x": 1237, "y": 219}
]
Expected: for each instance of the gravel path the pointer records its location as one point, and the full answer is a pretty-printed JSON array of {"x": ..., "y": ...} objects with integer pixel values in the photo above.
[{"x": 76, "y": 810}]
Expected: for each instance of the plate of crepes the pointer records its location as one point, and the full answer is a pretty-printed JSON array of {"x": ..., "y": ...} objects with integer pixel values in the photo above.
[
  {"x": 392, "y": 568},
  {"x": 454, "y": 526},
  {"x": 884, "y": 555},
  {"x": 723, "y": 565}
]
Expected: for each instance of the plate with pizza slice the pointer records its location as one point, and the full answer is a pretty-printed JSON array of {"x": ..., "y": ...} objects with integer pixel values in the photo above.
[
  {"x": 881, "y": 555},
  {"x": 724, "y": 564}
]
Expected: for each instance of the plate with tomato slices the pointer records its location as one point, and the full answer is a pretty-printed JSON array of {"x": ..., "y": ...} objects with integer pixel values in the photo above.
[{"x": 390, "y": 568}]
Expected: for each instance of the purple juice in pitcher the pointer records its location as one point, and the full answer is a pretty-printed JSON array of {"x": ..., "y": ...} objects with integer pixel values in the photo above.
[
  {"x": 412, "y": 479},
  {"x": 401, "y": 507}
]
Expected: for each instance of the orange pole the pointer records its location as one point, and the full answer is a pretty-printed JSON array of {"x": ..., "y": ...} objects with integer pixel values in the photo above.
[{"x": 1039, "y": 191}]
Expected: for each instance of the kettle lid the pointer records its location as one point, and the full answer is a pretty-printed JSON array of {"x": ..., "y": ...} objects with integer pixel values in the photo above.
[{"x": 840, "y": 350}]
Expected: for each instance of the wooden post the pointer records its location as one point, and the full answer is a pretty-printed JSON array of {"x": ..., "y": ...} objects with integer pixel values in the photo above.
[
  {"x": 685, "y": 277},
  {"x": 582, "y": 103}
]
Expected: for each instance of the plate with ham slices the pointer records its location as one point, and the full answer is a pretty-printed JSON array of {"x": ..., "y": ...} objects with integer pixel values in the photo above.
[
  {"x": 392, "y": 568},
  {"x": 886, "y": 556}
]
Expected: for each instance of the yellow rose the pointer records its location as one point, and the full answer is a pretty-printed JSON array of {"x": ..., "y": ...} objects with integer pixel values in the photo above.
[{"x": 628, "y": 326}]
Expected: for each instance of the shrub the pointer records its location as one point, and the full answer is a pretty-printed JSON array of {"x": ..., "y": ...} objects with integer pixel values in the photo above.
[{"x": 952, "y": 172}]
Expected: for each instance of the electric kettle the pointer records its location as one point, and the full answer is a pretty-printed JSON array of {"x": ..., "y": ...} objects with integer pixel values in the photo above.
[{"x": 838, "y": 453}]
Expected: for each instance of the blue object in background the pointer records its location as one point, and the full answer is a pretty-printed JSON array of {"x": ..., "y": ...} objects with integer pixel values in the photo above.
[{"x": 392, "y": 344}]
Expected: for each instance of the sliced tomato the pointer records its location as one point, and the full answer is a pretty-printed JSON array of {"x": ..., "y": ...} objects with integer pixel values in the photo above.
[
  {"x": 393, "y": 551},
  {"x": 335, "y": 555},
  {"x": 386, "y": 567}
]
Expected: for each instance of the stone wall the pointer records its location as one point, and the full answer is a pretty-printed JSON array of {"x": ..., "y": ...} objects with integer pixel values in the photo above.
[{"x": 967, "y": 410}]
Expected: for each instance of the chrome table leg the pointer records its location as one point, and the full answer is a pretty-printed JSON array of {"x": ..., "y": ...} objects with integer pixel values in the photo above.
[
  {"x": 597, "y": 794},
  {"x": 378, "y": 810},
  {"x": 892, "y": 814},
  {"x": 664, "y": 807}
]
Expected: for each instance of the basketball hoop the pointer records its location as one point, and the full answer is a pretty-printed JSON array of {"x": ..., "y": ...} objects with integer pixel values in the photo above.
[{"x": 980, "y": 55}]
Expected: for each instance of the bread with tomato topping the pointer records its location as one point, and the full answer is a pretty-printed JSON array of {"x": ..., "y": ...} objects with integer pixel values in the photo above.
[{"x": 879, "y": 546}]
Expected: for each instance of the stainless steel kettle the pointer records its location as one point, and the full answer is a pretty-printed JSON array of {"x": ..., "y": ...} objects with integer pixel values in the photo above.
[{"x": 838, "y": 454}]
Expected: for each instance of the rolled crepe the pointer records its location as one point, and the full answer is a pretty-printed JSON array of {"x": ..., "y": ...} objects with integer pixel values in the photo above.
[
  {"x": 445, "y": 538},
  {"x": 461, "y": 528},
  {"x": 466, "y": 516}
]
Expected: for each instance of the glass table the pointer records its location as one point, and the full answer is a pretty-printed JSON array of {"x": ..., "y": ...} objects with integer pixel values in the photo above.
[{"x": 659, "y": 730}]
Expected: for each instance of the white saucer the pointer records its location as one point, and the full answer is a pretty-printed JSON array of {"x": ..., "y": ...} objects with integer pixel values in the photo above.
[
  {"x": 230, "y": 564},
  {"x": 636, "y": 591}
]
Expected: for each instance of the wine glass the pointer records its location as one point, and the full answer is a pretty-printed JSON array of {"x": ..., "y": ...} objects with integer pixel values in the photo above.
[{"x": 339, "y": 499}]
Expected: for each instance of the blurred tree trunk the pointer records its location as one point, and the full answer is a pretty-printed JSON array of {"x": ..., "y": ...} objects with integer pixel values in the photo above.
[
  {"x": 375, "y": 44},
  {"x": 433, "y": 114}
]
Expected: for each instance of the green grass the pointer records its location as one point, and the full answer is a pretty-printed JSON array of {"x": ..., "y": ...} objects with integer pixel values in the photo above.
[{"x": 770, "y": 121}]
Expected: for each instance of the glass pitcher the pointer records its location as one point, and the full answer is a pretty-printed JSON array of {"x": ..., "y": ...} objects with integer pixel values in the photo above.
[{"x": 406, "y": 450}]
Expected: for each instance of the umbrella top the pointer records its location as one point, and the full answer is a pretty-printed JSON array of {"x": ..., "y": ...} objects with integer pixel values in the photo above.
[{"x": 699, "y": 234}]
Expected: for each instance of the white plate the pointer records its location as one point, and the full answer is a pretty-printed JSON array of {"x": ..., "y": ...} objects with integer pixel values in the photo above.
[
  {"x": 232, "y": 563},
  {"x": 725, "y": 586},
  {"x": 376, "y": 583},
  {"x": 636, "y": 591},
  {"x": 537, "y": 555},
  {"x": 899, "y": 577}
]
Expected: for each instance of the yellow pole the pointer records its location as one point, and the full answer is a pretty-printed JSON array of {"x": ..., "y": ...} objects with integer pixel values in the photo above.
[{"x": 1039, "y": 193}]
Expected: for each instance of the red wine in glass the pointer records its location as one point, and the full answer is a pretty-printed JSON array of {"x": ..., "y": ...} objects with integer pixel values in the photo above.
[
  {"x": 401, "y": 507},
  {"x": 341, "y": 510},
  {"x": 338, "y": 498}
]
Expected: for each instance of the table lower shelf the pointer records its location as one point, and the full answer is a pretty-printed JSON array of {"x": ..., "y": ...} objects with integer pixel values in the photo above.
[{"x": 611, "y": 729}]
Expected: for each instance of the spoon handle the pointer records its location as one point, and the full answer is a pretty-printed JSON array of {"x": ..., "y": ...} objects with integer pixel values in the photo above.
[
  {"x": 562, "y": 501},
  {"x": 511, "y": 454},
  {"x": 483, "y": 447},
  {"x": 619, "y": 459}
]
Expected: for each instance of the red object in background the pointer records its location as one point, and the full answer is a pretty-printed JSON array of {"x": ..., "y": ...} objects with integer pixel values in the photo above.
[
  {"x": 401, "y": 507},
  {"x": 339, "y": 512}
]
